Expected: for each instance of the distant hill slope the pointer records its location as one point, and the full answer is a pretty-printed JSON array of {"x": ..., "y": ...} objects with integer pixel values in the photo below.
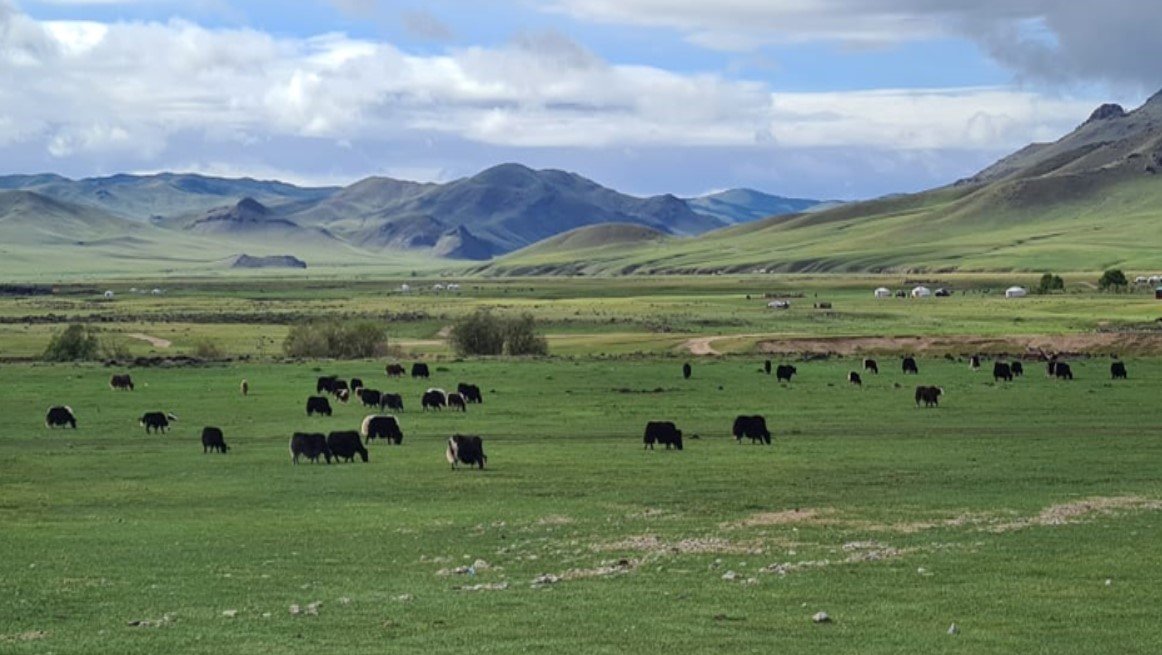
[
  {"x": 501, "y": 209},
  {"x": 745, "y": 205},
  {"x": 1091, "y": 200}
]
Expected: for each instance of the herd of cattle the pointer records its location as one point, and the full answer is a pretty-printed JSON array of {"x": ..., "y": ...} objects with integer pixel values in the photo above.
[{"x": 345, "y": 445}]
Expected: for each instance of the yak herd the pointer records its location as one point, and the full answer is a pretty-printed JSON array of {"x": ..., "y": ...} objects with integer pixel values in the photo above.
[{"x": 345, "y": 445}]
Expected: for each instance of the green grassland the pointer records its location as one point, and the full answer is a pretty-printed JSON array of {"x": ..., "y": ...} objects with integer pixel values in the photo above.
[{"x": 1006, "y": 510}]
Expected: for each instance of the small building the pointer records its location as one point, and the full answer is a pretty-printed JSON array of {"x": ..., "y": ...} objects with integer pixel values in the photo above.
[
  {"x": 405, "y": 288},
  {"x": 1141, "y": 279},
  {"x": 108, "y": 295},
  {"x": 921, "y": 292},
  {"x": 1016, "y": 292},
  {"x": 883, "y": 292},
  {"x": 779, "y": 304}
]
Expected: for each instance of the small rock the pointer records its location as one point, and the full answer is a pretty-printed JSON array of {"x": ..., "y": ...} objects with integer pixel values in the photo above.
[
  {"x": 953, "y": 630},
  {"x": 295, "y": 610},
  {"x": 405, "y": 598},
  {"x": 546, "y": 579},
  {"x": 1109, "y": 581},
  {"x": 313, "y": 608},
  {"x": 481, "y": 565},
  {"x": 266, "y": 615},
  {"x": 344, "y": 601},
  {"x": 230, "y": 613},
  {"x": 821, "y": 617},
  {"x": 729, "y": 576}
]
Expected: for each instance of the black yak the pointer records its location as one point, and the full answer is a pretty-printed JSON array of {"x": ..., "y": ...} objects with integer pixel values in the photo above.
[
  {"x": 1002, "y": 371},
  {"x": 381, "y": 427},
  {"x": 420, "y": 370},
  {"x": 433, "y": 399},
  {"x": 784, "y": 372},
  {"x": 471, "y": 393},
  {"x": 391, "y": 401},
  {"x": 909, "y": 366},
  {"x": 854, "y": 378},
  {"x": 752, "y": 427},
  {"x": 212, "y": 440},
  {"x": 345, "y": 445},
  {"x": 663, "y": 432},
  {"x": 871, "y": 365},
  {"x": 930, "y": 396},
  {"x": 121, "y": 382},
  {"x": 156, "y": 421},
  {"x": 60, "y": 416},
  {"x": 309, "y": 445},
  {"x": 465, "y": 449},
  {"x": 1118, "y": 371},
  {"x": 318, "y": 405}
]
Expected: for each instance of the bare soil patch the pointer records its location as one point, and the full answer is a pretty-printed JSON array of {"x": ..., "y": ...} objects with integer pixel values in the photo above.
[{"x": 156, "y": 342}]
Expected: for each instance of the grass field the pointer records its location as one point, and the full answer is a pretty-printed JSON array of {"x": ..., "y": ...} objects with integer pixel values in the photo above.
[{"x": 1027, "y": 514}]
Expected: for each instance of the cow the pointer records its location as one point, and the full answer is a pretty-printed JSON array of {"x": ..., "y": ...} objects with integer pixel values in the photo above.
[
  {"x": 1063, "y": 372},
  {"x": 1018, "y": 369},
  {"x": 1002, "y": 371},
  {"x": 326, "y": 383},
  {"x": 433, "y": 399},
  {"x": 391, "y": 401},
  {"x": 471, "y": 393},
  {"x": 465, "y": 449},
  {"x": 420, "y": 370},
  {"x": 395, "y": 370},
  {"x": 309, "y": 445},
  {"x": 909, "y": 366},
  {"x": 930, "y": 396},
  {"x": 663, "y": 432},
  {"x": 871, "y": 365},
  {"x": 784, "y": 372},
  {"x": 356, "y": 384},
  {"x": 245, "y": 388},
  {"x": 854, "y": 378},
  {"x": 381, "y": 427},
  {"x": 687, "y": 371},
  {"x": 456, "y": 401},
  {"x": 370, "y": 397},
  {"x": 318, "y": 405},
  {"x": 767, "y": 367},
  {"x": 752, "y": 427},
  {"x": 345, "y": 444},
  {"x": 212, "y": 440},
  {"x": 974, "y": 363},
  {"x": 60, "y": 416},
  {"x": 121, "y": 382},
  {"x": 1118, "y": 371},
  {"x": 156, "y": 421}
]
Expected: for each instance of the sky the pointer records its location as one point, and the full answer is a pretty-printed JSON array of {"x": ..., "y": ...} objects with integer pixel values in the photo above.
[{"x": 829, "y": 99}]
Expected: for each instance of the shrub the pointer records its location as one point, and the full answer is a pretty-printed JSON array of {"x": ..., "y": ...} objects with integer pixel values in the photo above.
[
  {"x": 334, "y": 339},
  {"x": 76, "y": 342},
  {"x": 206, "y": 348},
  {"x": 482, "y": 333},
  {"x": 1113, "y": 278},
  {"x": 1050, "y": 283}
]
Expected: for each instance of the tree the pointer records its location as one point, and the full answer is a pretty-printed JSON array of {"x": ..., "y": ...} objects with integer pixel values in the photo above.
[
  {"x": 1051, "y": 283},
  {"x": 77, "y": 342},
  {"x": 1113, "y": 278},
  {"x": 482, "y": 333}
]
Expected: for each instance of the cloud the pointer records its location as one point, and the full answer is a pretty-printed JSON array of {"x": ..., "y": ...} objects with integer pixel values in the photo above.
[
  {"x": 1069, "y": 41},
  {"x": 425, "y": 25}
]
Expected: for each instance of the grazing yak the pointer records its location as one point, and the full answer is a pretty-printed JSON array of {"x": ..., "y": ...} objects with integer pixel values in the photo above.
[
  {"x": 434, "y": 399},
  {"x": 465, "y": 449},
  {"x": 156, "y": 421},
  {"x": 752, "y": 427},
  {"x": 471, "y": 393},
  {"x": 871, "y": 365},
  {"x": 345, "y": 444},
  {"x": 1062, "y": 371},
  {"x": 60, "y": 416},
  {"x": 456, "y": 401},
  {"x": 974, "y": 363},
  {"x": 212, "y": 440},
  {"x": 326, "y": 383},
  {"x": 340, "y": 390},
  {"x": 245, "y": 387},
  {"x": 395, "y": 370},
  {"x": 381, "y": 427},
  {"x": 909, "y": 366},
  {"x": 121, "y": 382},
  {"x": 391, "y": 401},
  {"x": 343, "y": 395},
  {"x": 420, "y": 370},
  {"x": 1002, "y": 371},
  {"x": 854, "y": 378},
  {"x": 930, "y": 396},
  {"x": 1118, "y": 371},
  {"x": 687, "y": 371},
  {"x": 767, "y": 367},
  {"x": 370, "y": 397},
  {"x": 1018, "y": 368},
  {"x": 309, "y": 445},
  {"x": 318, "y": 405},
  {"x": 784, "y": 372},
  {"x": 663, "y": 432}
]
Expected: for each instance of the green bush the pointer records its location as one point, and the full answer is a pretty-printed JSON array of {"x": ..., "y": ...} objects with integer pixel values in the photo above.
[
  {"x": 1050, "y": 283},
  {"x": 337, "y": 340},
  {"x": 77, "y": 342},
  {"x": 1113, "y": 278},
  {"x": 482, "y": 333},
  {"x": 207, "y": 348}
]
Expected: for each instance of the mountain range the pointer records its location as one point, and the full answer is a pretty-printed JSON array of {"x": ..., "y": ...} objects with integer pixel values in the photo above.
[{"x": 499, "y": 210}]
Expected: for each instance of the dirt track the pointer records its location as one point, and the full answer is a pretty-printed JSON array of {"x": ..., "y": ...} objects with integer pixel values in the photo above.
[
  {"x": 1126, "y": 343},
  {"x": 156, "y": 342}
]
